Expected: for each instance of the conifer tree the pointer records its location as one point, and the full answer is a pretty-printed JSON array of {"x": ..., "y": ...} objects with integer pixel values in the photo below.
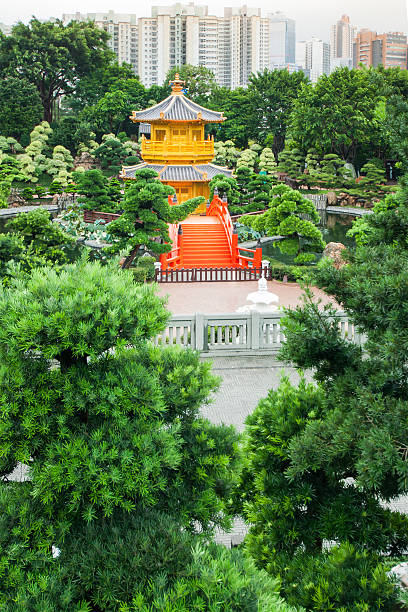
[
  {"x": 324, "y": 457},
  {"x": 121, "y": 466},
  {"x": 285, "y": 217},
  {"x": 146, "y": 216}
]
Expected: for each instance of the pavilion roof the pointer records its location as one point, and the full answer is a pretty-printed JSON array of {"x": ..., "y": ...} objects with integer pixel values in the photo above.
[
  {"x": 177, "y": 108},
  {"x": 175, "y": 173}
]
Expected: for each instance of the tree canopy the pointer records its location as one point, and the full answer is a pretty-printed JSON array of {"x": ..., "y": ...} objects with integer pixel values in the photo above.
[
  {"x": 53, "y": 57},
  {"x": 337, "y": 115}
]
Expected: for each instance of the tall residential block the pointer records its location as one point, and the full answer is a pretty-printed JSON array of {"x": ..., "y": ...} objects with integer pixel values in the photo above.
[
  {"x": 282, "y": 40},
  {"x": 123, "y": 30},
  {"x": 342, "y": 39},
  {"x": 232, "y": 46},
  {"x": 314, "y": 57},
  {"x": 388, "y": 50}
]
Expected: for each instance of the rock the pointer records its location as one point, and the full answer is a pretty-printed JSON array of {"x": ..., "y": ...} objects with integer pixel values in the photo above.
[
  {"x": 334, "y": 250},
  {"x": 86, "y": 161},
  {"x": 331, "y": 198},
  {"x": 401, "y": 572},
  {"x": 15, "y": 199}
]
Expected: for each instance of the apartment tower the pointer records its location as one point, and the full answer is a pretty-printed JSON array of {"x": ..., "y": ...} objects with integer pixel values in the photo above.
[{"x": 232, "y": 46}]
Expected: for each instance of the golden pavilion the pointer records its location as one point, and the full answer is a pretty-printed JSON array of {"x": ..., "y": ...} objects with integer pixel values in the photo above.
[{"x": 178, "y": 149}]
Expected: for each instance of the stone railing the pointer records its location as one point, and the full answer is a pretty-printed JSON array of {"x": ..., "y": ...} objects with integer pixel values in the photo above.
[{"x": 234, "y": 334}]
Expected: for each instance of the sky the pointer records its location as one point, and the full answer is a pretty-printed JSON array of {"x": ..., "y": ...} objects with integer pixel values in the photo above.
[{"x": 313, "y": 17}]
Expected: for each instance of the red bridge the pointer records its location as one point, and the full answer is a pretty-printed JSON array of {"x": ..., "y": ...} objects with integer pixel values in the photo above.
[
  {"x": 208, "y": 242},
  {"x": 201, "y": 241}
]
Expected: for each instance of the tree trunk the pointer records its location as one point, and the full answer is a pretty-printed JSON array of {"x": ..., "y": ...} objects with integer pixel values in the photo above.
[
  {"x": 278, "y": 145},
  {"x": 48, "y": 115},
  {"x": 127, "y": 261}
]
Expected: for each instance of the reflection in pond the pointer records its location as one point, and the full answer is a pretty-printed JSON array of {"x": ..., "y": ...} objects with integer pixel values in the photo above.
[{"x": 334, "y": 229}]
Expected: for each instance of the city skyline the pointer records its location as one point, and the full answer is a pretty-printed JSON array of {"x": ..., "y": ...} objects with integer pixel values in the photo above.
[{"x": 312, "y": 19}]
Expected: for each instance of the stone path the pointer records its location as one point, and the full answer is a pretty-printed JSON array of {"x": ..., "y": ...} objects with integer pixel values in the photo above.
[
  {"x": 7, "y": 213},
  {"x": 245, "y": 380},
  {"x": 212, "y": 298}
]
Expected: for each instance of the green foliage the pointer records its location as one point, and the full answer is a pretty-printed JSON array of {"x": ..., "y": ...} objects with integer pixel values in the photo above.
[
  {"x": 70, "y": 132},
  {"x": 372, "y": 174},
  {"x": 284, "y": 217},
  {"x": 20, "y": 107},
  {"x": 139, "y": 274},
  {"x": 343, "y": 579},
  {"x": 267, "y": 161},
  {"x": 293, "y": 274},
  {"x": 216, "y": 579},
  {"x": 33, "y": 161},
  {"x": 97, "y": 192},
  {"x": 111, "y": 153},
  {"x": 53, "y": 57},
  {"x": 146, "y": 262},
  {"x": 110, "y": 428},
  {"x": 226, "y": 186},
  {"x": 273, "y": 94},
  {"x": 337, "y": 115},
  {"x": 226, "y": 153},
  {"x": 247, "y": 158},
  {"x": 147, "y": 214},
  {"x": 200, "y": 82},
  {"x": 292, "y": 163},
  {"x": 42, "y": 237}
]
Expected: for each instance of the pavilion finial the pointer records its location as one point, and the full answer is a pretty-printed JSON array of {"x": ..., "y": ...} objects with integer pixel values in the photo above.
[{"x": 177, "y": 85}]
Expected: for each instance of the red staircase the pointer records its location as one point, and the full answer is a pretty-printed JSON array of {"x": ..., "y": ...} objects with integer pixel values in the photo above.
[
  {"x": 208, "y": 242},
  {"x": 205, "y": 244}
]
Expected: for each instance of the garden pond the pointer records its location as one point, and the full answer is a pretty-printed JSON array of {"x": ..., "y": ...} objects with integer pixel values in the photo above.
[{"x": 334, "y": 228}]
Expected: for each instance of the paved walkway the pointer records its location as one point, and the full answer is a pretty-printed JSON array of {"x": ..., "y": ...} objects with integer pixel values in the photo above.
[
  {"x": 7, "y": 213},
  {"x": 245, "y": 380},
  {"x": 211, "y": 298}
]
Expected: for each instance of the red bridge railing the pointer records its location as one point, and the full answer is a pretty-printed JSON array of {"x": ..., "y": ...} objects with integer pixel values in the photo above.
[{"x": 252, "y": 257}]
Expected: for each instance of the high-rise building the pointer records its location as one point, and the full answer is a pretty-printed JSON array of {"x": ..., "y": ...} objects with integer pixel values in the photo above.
[
  {"x": 388, "y": 50},
  {"x": 123, "y": 30},
  {"x": 232, "y": 46},
  {"x": 282, "y": 40},
  {"x": 342, "y": 38},
  {"x": 317, "y": 58},
  {"x": 301, "y": 53}
]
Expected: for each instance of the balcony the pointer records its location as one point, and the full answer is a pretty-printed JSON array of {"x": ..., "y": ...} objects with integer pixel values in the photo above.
[{"x": 161, "y": 151}]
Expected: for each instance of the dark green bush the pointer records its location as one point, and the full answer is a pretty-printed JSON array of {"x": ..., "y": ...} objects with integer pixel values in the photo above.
[
  {"x": 147, "y": 263},
  {"x": 28, "y": 193},
  {"x": 132, "y": 159},
  {"x": 114, "y": 170},
  {"x": 139, "y": 274},
  {"x": 294, "y": 274},
  {"x": 344, "y": 579}
]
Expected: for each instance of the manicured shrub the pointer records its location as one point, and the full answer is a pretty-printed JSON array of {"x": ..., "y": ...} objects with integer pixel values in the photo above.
[
  {"x": 139, "y": 274},
  {"x": 344, "y": 579}
]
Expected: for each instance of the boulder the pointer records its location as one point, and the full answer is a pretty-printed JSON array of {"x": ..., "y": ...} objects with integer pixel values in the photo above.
[
  {"x": 15, "y": 199},
  {"x": 86, "y": 161},
  {"x": 333, "y": 251},
  {"x": 331, "y": 198}
]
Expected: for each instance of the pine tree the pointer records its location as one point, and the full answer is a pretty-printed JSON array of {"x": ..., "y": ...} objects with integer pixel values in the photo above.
[
  {"x": 146, "y": 216},
  {"x": 122, "y": 467},
  {"x": 285, "y": 217}
]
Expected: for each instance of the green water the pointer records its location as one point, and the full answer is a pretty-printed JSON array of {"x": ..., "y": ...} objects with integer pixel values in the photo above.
[{"x": 334, "y": 230}]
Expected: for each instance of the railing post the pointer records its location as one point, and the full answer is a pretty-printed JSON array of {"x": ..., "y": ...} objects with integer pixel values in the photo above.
[
  {"x": 157, "y": 270},
  {"x": 180, "y": 244},
  {"x": 234, "y": 247},
  {"x": 199, "y": 332},
  {"x": 255, "y": 331}
]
